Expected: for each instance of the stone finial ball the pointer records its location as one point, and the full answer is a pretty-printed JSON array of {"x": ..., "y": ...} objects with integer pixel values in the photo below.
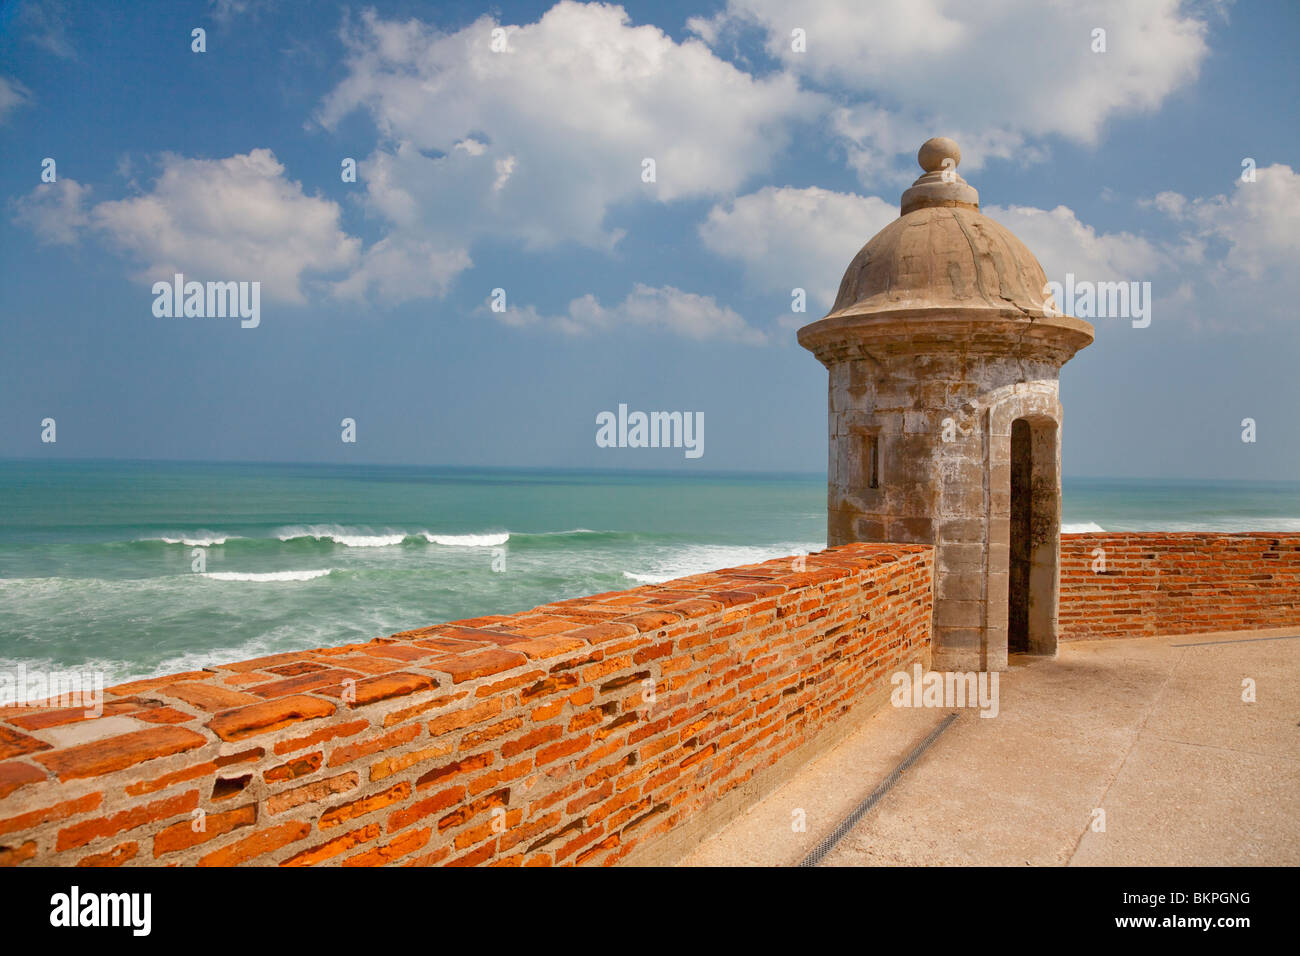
[{"x": 934, "y": 151}]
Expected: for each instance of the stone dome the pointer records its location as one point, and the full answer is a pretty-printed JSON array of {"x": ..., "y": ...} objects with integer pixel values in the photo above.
[
  {"x": 942, "y": 258},
  {"x": 942, "y": 254}
]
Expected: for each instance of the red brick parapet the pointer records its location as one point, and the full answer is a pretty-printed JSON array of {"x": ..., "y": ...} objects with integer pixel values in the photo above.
[
  {"x": 1155, "y": 583},
  {"x": 571, "y": 733}
]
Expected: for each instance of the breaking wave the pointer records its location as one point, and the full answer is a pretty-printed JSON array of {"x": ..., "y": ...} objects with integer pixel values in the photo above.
[
  {"x": 348, "y": 537},
  {"x": 467, "y": 540},
  {"x": 208, "y": 541},
  {"x": 268, "y": 575}
]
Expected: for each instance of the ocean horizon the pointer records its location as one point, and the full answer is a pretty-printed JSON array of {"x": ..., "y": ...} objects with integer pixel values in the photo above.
[{"x": 136, "y": 568}]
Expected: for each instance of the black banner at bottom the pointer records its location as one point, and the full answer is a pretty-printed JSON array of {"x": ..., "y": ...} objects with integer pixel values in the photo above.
[{"x": 691, "y": 908}]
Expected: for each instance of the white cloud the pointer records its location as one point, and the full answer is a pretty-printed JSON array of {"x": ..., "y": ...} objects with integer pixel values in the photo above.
[
  {"x": 539, "y": 144},
  {"x": 399, "y": 268},
  {"x": 54, "y": 211},
  {"x": 1062, "y": 243},
  {"x": 874, "y": 139},
  {"x": 1229, "y": 263},
  {"x": 237, "y": 218},
  {"x": 995, "y": 76},
  {"x": 1260, "y": 221},
  {"x": 686, "y": 314},
  {"x": 1235, "y": 254},
  {"x": 787, "y": 238},
  {"x": 12, "y": 95},
  {"x": 45, "y": 22},
  {"x": 225, "y": 12}
]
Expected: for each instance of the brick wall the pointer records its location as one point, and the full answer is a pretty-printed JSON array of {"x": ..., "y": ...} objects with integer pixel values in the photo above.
[
  {"x": 573, "y": 733},
  {"x": 1178, "y": 583}
]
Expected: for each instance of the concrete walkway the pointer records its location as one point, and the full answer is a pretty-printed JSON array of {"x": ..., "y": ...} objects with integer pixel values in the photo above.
[{"x": 1153, "y": 731}]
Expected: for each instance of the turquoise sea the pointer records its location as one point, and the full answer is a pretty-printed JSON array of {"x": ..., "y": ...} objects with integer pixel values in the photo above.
[{"x": 140, "y": 568}]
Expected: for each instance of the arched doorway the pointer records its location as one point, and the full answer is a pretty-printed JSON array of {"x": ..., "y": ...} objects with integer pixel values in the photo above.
[{"x": 1034, "y": 538}]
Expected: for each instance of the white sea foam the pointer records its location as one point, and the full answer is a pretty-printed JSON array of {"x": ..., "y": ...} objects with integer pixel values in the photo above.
[
  {"x": 1220, "y": 524},
  {"x": 368, "y": 540},
  {"x": 1083, "y": 527},
  {"x": 298, "y": 634},
  {"x": 699, "y": 559},
  {"x": 196, "y": 541},
  {"x": 116, "y": 670},
  {"x": 348, "y": 537},
  {"x": 467, "y": 540},
  {"x": 1230, "y": 524},
  {"x": 267, "y": 575},
  {"x": 649, "y": 578}
]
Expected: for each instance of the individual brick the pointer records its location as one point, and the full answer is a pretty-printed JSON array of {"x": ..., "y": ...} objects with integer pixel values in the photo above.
[
  {"x": 242, "y": 756},
  {"x": 60, "y": 716},
  {"x": 313, "y": 792},
  {"x": 372, "y": 690},
  {"x": 120, "y": 854},
  {"x": 650, "y": 620},
  {"x": 14, "y": 744},
  {"x": 300, "y": 767},
  {"x": 262, "y": 663},
  {"x": 12, "y": 856},
  {"x": 540, "y": 648},
  {"x": 209, "y": 697},
  {"x": 359, "y": 808},
  {"x": 479, "y": 635},
  {"x": 464, "y": 717},
  {"x": 465, "y": 765},
  {"x": 271, "y": 715},
  {"x": 346, "y": 753},
  {"x": 162, "y": 715},
  {"x": 257, "y": 844},
  {"x": 116, "y": 753},
  {"x": 423, "y": 808},
  {"x": 58, "y": 811},
  {"x": 325, "y": 733},
  {"x": 87, "y": 831},
  {"x": 395, "y": 850},
  {"x": 531, "y": 740},
  {"x": 389, "y": 766},
  {"x": 181, "y": 836},
  {"x": 15, "y": 774},
  {"x": 302, "y": 683},
  {"x": 472, "y": 666},
  {"x": 154, "y": 683},
  {"x": 332, "y": 848},
  {"x": 406, "y": 713}
]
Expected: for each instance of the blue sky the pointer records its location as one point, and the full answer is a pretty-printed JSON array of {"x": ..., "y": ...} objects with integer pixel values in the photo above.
[{"x": 521, "y": 169}]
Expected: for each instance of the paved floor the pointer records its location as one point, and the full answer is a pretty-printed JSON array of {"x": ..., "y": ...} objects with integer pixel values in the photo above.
[{"x": 1154, "y": 732}]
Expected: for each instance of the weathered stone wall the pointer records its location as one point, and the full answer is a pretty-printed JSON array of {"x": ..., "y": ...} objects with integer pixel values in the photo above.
[
  {"x": 578, "y": 732},
  {"x": 940, "y": 417},
  {"x": 1177, "y": 583}
]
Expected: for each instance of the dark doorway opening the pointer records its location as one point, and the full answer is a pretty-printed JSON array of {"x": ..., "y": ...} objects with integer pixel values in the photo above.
[{"x": 1022, "y": 526}]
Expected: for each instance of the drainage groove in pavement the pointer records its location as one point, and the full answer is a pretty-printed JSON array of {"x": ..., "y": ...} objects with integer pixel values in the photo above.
[{"x": 829, "y": 841}]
